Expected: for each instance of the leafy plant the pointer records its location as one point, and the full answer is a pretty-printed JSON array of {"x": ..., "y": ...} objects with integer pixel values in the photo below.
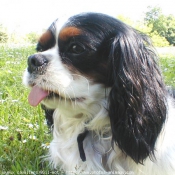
[
  {"x": 158, "y": 40},
  {"x": 161, "y": 24},
  {"x": 32, "y": 37},
  {"x": 3, "y": 35}
]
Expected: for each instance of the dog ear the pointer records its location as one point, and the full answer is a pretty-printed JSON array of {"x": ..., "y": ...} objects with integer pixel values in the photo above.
[
  {"x": 137, "y": 107},
  {"x": 47, "y": 39}
]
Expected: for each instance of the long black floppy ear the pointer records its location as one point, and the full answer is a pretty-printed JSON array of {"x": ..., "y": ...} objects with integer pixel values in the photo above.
[{"x": 137, "y": 105}]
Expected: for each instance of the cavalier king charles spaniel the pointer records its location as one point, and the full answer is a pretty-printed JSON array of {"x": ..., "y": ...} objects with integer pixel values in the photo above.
[{"x": 112, "y": 113}]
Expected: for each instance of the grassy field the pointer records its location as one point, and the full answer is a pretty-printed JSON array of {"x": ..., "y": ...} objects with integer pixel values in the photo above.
[{"x": 24, "y": 136}]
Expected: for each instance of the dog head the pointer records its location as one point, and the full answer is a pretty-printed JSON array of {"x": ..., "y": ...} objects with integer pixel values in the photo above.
[{"x": 92, "y": 57}]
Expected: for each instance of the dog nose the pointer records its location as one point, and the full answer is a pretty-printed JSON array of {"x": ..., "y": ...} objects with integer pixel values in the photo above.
[{"x": 36, "y": 62}]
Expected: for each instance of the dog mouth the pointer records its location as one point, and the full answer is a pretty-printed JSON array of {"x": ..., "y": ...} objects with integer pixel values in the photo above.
[{"x": 38, "y": 94}]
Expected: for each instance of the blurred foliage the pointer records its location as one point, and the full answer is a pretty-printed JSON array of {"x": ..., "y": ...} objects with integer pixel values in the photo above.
[
  {"x": 3, "y": 34},
  {"x": 160, "y": 28},
  {"x": 157, "y": 40},
  {"x": 163, "y": 25},
  {"x": 32, "y": 37}
]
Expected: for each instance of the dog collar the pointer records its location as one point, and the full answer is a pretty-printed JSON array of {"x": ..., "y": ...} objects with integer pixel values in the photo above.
[
  {"x": 80, "y": 140},
  {"x": 102, "y": 155}
]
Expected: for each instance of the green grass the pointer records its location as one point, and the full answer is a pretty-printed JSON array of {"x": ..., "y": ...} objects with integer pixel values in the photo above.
[
  {"x": 21, "y": 142},
  {"x": 167, "y": 63},
  {"x": 25, "y": 131}
]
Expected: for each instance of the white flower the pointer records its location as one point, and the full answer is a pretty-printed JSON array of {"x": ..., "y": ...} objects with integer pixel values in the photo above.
[
  {"x": 3, "y": 128},
  {"x": 30, "y": 125},
  {"x": 45, "y": 145},
  {"x": 33, "y": 137},
  {"x": 24, "y": 141}
]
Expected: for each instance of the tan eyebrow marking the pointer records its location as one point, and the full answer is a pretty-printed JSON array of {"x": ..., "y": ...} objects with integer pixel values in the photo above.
[
  {"x": 68, "y": 32},
  {"x": 45, "y": 37}
]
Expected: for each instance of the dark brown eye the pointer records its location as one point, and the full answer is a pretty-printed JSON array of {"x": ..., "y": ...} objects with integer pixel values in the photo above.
[
  {"x": 76, "y": 49},
  {"x": 39, "y": 48}
]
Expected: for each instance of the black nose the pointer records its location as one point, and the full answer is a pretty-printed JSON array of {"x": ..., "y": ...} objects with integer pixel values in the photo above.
[{"x": 37, "y": 62}]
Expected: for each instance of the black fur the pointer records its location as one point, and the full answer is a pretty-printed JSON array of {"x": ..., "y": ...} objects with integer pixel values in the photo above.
[
  {"x": 48, "y": 115},
  {"x": 137, "y": 106}
]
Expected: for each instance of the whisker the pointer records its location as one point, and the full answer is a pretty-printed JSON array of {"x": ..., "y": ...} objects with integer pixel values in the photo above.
[
  {"x": 65, "y": 97},
  {"x": 75, "y": 103},
  {"x": 71, "y": 100}
]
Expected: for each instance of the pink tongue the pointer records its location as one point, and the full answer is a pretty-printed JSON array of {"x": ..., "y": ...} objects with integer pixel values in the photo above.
[{"x": 37, "y": 95}]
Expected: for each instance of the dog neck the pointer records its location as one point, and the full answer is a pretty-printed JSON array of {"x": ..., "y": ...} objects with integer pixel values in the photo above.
[{"x": 79, "y": 124}]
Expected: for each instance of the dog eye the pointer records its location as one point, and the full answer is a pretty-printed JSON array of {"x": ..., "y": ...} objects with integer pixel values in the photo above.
[
  {"x": 39, "y": 48},
  {"x": 76, "y": 49}
]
